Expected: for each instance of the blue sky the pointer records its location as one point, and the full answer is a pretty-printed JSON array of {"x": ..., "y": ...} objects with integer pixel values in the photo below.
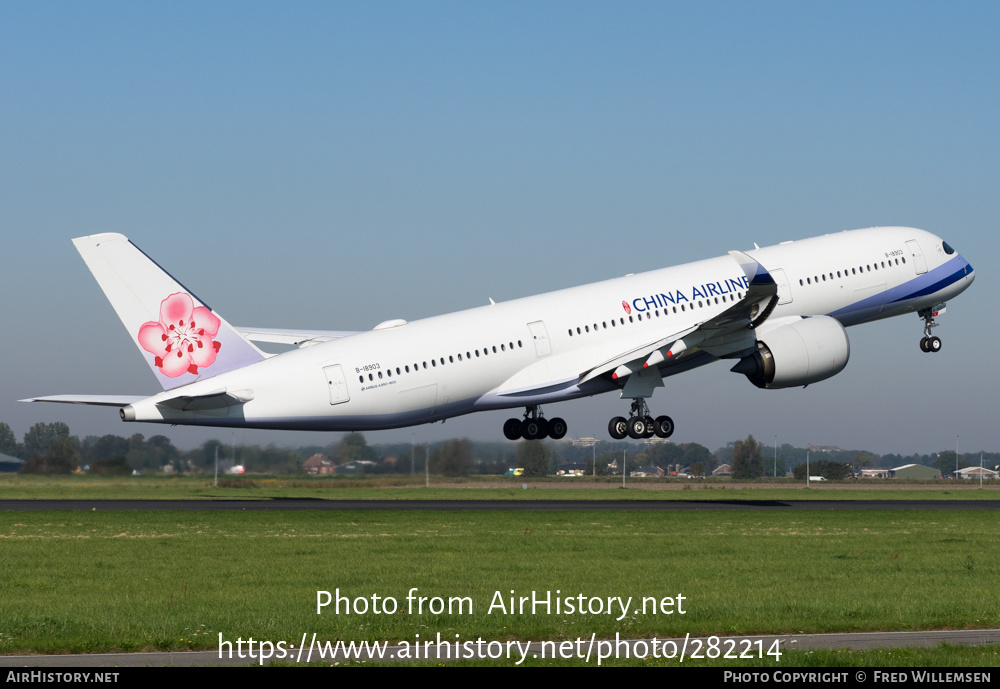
[{"x": 333, "y": 165}]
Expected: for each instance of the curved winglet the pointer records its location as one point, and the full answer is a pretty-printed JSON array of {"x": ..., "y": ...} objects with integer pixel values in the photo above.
[{"x": 755, "y": 272}]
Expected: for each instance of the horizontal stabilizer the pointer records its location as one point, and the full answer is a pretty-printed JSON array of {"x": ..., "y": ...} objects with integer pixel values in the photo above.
[
  {"x": 99, "y": 400},
  {"x": 299, "y": 338}
]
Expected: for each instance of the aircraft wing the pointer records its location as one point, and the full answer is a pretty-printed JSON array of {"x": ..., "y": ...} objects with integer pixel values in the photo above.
[
  {"x": 727, "y": 333},
  {"x": 299, "y": 338}
]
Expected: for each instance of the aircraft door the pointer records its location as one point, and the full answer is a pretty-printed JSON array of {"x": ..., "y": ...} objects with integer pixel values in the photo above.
[
  {"x": 784, "y": 291},
  {"x": 918, "y": 256},
  {"x": 541, "y": 337},
  {"x": 337, "y": 384}
]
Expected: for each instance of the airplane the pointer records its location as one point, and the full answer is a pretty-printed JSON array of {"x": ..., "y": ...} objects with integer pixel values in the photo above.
[{"x": 779, "y": 313}]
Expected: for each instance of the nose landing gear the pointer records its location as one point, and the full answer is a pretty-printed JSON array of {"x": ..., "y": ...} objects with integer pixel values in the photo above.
[{"x": 929, "y": 343}]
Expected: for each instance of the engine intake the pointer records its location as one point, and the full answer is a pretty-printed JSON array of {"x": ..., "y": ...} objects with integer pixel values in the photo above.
[{"x": 799, "y": 353}]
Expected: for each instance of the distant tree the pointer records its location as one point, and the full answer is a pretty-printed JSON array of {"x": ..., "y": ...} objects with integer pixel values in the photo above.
[
  {"x": 697, "y": 454},
  {"x": 40, "y": 436},
  {"x": 106, "y": 447},
  {"x": 353, "y": 448},
  {"x": 946, "y": 463},
  {"x": 863, "y": 460},
  {"x": 827, "y": 468},
  {"x": 111, "y": 466},
  {"x": 534, "y": 457},
  {"x": 205, "y": 457},
  {"x": 8, "y": 442},
  {"x": 747, "y": 460},
  {"x": 63, "y": 457},
  {"x": 452, "y": 458}
]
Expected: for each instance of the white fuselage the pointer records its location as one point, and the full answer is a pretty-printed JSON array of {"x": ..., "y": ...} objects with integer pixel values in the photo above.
[{"x": 534, "y": 350}]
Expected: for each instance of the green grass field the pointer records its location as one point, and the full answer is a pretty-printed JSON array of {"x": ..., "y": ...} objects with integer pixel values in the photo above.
[
  {"x": 200, "y": 487},
  {"x": 102, "y": 581}
]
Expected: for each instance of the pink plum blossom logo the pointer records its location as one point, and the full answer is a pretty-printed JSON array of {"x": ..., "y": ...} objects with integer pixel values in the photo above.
[{"x": 182, "y": 340}]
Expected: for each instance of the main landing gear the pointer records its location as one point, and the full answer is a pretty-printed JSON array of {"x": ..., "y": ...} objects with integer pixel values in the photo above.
[
  {"x": 928, "y": 343},
  {"x": 640, "y": 424},
  {"x": 534, "y": 426}
]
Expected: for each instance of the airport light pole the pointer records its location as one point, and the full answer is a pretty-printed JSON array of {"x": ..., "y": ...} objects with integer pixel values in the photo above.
[
  {"x": 807, "y": 468},
  {"x": 624, "y": 455},
  {"x": 775, "y": 455}
]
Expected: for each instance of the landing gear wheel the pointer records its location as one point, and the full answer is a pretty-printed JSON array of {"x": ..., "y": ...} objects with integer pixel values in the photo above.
[
  {"x": 557, "y": 428},
  {"x": 923, "y": 344},
  {"x": 618, "y": 427},
  {"x": 934, "y": 344},
  {"x": 650, "y": 429},
  {"x": 663, "y": 426},
  {"x": 512, "y": 429},
  {"x": 534, "y": 429},
  {"x": 637, "y": 427}
]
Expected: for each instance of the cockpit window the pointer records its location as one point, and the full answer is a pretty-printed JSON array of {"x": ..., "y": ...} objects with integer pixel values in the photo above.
[{"x": 947, "y": 249}]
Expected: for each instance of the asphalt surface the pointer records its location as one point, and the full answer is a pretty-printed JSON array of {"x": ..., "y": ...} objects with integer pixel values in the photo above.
[{"x": 805, "y": 642}]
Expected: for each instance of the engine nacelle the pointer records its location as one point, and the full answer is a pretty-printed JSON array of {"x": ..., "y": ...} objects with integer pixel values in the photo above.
[{"x": 800, "y": 353}]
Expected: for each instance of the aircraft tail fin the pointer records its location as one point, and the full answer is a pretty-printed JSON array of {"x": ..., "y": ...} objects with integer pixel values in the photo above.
[{"x": 181, "y": 338}]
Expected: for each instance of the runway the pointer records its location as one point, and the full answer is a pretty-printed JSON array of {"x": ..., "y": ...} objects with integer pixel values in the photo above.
[
  {"x": 318, "y": 504},
  {"x": 861, "y": 641}
]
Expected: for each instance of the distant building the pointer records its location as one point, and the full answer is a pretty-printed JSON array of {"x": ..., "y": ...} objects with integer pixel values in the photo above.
[
  {"x": 826, "y": 448},
  {"x": 584, "y": 442},
  {"x": 646, "y": 471},
  {"x": 356, "y": 467},
  {"x": 318, "y": 464},
  {"x": 914, "y": 471},
  {"x": 9, "y": 464},
  {"x": 574, "y": 469},
  {"x": 873, "y": 473},
  {"x": 724, "y": 470},
  {"x": 974, "y": 473}
]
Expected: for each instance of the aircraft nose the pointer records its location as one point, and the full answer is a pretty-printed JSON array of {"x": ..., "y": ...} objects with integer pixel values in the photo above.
[{"x": 970, "y": 274}]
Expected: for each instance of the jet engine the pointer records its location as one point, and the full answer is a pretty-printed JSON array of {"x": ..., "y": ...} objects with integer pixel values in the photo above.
[{"x": 806, "y": 351}]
